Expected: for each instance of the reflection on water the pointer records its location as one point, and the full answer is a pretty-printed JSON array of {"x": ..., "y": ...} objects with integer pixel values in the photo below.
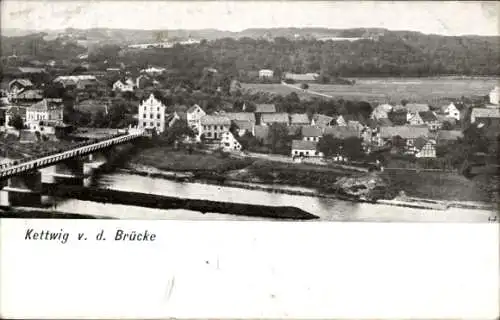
[{"x": 326, "y": 209}]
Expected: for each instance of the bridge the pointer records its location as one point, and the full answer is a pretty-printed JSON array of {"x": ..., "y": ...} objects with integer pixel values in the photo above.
[{"x": 22, "y": 178}]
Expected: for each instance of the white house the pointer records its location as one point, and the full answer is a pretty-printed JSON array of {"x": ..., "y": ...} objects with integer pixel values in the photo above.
[
  {"x": 479, "y": 114},
  {"x": 495, "y": 95},
  {"x": 266, "y": 73},
  {"x": 123, "y": 86},
  {"x": 46, "y": 111},
  {"x": 301, "y": 148},
  {"x": 228, "y": 142},
  {"x": 381, "y": 111},
  {"x": 151, "y": 114},
  {"x": 194, "y": 115},
  {"x": 452, "y": 111},
  {"x": 212, "y": 127}
]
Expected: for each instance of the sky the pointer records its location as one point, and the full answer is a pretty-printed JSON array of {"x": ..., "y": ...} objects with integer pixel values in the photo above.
[{"x": 440, "y": 17}]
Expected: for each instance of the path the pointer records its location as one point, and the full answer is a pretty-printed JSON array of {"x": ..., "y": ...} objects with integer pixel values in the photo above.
[{"x": 307, "y": 90}]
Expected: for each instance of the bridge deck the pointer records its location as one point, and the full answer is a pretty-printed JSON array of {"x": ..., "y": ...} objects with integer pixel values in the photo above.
[{"x": 52, "y": 159}]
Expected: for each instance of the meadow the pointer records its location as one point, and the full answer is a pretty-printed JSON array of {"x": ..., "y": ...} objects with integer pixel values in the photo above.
[{"x": 392, "y": 90}]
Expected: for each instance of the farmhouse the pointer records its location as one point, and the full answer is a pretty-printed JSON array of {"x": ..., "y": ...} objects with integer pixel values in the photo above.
[
  {"x": 266, "y": 73},
  {"x": 311, "y": 133},
  {"x": 301, "y": 148}
]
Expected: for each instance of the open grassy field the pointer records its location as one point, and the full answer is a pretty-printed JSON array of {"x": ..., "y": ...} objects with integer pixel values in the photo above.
[{"x": 392, "y": 90}]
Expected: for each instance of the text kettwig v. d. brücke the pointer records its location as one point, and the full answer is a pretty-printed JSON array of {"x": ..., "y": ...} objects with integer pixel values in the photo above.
[{"x": 63, "y": 236}]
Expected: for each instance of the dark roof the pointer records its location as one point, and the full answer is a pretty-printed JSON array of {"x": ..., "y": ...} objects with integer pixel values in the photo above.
[
  {"x": 311, "y": 131},
  {"x": 30, "y": 95},
  {"x": 275, "y": 117},
  {"x": 244, "y": 125},
  {"x": 265, "y": 108},
  {"x": 405, "y": 132},
  {"x": 46, "y": 105},
  {"x": 449, "y": 135},
  {"x": 193, "y": 108},
  {"x": 341, "y": 132},
  {"x": 427, "y": 116},
  {"x": 15, "y": 110},
  {"x": 23, "y": 82},
  {"x": 304, "y": 145},
  {"x": 420, "y": 142},
  {"x": 293, "y": 129}
]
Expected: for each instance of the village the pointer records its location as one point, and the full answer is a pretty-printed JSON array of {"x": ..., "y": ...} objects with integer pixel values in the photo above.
[{"x": 417, "y": 130}]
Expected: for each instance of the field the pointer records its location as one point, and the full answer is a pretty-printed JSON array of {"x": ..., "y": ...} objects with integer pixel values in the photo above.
[{"x": 392, "y": 90}]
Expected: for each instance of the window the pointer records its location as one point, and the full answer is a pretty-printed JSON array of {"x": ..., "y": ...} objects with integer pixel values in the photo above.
[
  {"x": 209, "y": 135},
  {"x": 144, "y": 116},
  {"x": 157, "y": 124},
  {"x": 158, "y": 109},
  {"x": 151, "y": 124},
  {"x": 158, "y": 116},
  {"x": 150, "y": 116}
]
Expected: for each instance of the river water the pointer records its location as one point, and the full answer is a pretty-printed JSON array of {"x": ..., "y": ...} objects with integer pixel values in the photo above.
[{"x": 326, "y": 209}]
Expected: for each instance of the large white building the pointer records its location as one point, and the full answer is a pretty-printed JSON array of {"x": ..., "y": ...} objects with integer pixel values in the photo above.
[
  {"x": 152, "y": 114},
  {"x": 495, "y": 96},
  {"x": 194, "y": 115},
  {"x": 47, "y": 111}
]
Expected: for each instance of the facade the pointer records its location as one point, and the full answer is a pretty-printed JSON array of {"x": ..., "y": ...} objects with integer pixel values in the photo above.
[
  {"x": 266, "y": 73},
  {"x": 229, "y": 143},
  {"x": 212, "y": 127},
  {"x": 494, "y": 96},
  {"x": 301, "y": 148},
  {"x": 414, "y": 119},
  {"x": 483, "y": 113},
  {"x": 124, "y": 86},
  {"x": 424, "y": 148},
  {"x": 452, "y": 111},
  {"x": 48, "y": 111},
  {"x": 193, "y": 117},
  {"x": 268, "y": 119},
  {"x": 151, "y": 115},
  {"x": 311, "y": 133}
]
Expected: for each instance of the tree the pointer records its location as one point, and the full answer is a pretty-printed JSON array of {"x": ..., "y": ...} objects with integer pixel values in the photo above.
[
  {"x": 16, "y": 122},
  {"x": 352, "y": 148},
  {"x": 304, "y": 86},
  {"x": 329, "y": 145},
  {"x": 177, "y": 131},
  {"x": 278, "y": 137}
]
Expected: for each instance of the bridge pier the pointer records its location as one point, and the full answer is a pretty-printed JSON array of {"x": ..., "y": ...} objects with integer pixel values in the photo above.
[
  {"x": 25, "y": 189},
  {"x": 69, "y": 172}
]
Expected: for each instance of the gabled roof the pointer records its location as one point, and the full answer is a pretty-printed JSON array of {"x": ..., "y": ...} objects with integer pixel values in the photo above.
[
  {"x": 405, "y": 132},
  {"x": 417, "y": 107},
  {"x": 428, "y": 116},
  {"x": 275, "y": 117},
  {"x": 193, "y": 108},
  {"x": 244, "y": 125},
  {"x": 215, "y": 120},
  {"x": 485, "y": 113},
  {"x": 381, "y": 122},
  {"x": 31, "y": 70},
  {"x": 311, "y": 131},
  {"x": 341, "y": 132},
  {"x": 181, "y": 115},
  {"x": 420, "y": 142},
  {"x": 45, "y": 105},
  {"x": 299, "y": 118},
  {"x": 240, "y": 116},
  {"x": 322, "y": 120},
  {"x": 23, "y": 82},
  {"x": 265, "y": 108},
  {"x": 304, "y": 145},
  {"x": 30, "y": 95}
]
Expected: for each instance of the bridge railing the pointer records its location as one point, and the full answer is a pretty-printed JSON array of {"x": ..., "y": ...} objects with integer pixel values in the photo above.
[{"x": 47, "y": 158}]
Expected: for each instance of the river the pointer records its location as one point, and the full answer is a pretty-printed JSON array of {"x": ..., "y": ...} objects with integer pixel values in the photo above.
[{"x": 326, "y": 208}]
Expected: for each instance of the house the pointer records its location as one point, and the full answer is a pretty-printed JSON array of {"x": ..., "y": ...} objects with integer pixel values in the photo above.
[
  {"x": 342, "y": 132},
  {"x": 151, "y": 114},
  {"x": 311, "y": 133},
  {"x": 480, "y": 114},
  {"x": 448, "y": 136},
  {"x": 80, "y": 82},
  {"x": 229, "y": 143},
  {"x": 12, "y": 112},
  {"x": 266, "y": 74},
  {"x": 381, "y": 111},
  {"x": 340, "y": 121},
  {"x": 398, "y": 117},
  {"x": 304, "y": 77},
  {"x": 408, "y": 133},
  {"x": 28, "y": 96},
  {"x": 143, "y": 81},
  {"x": 244, "y": 122},
  {"x": 49, "y": 110},
  {"x": 299, "y": 119},
  {"x": 451, "y": 111},
  {"x": 265, "y": 108},
  {"x": 213, "y": 126},
  {"x": 322, "y": 120},
  {"x": 18, "y": 85},
  {"x": 301, "y": 148},
  {"x": 423, "y": 148},
  {"x": 414, "y": 119},
  {"x": 429, "y": 118},
  {"x": 193, "y": 117},
  {"x": 127, "y": 85},
  {"x": 494, "y": 96},
  {"x": 416, "y": 107},
  {"x": 269, "y": 118},
  {"x": 178, "y": 115}
]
